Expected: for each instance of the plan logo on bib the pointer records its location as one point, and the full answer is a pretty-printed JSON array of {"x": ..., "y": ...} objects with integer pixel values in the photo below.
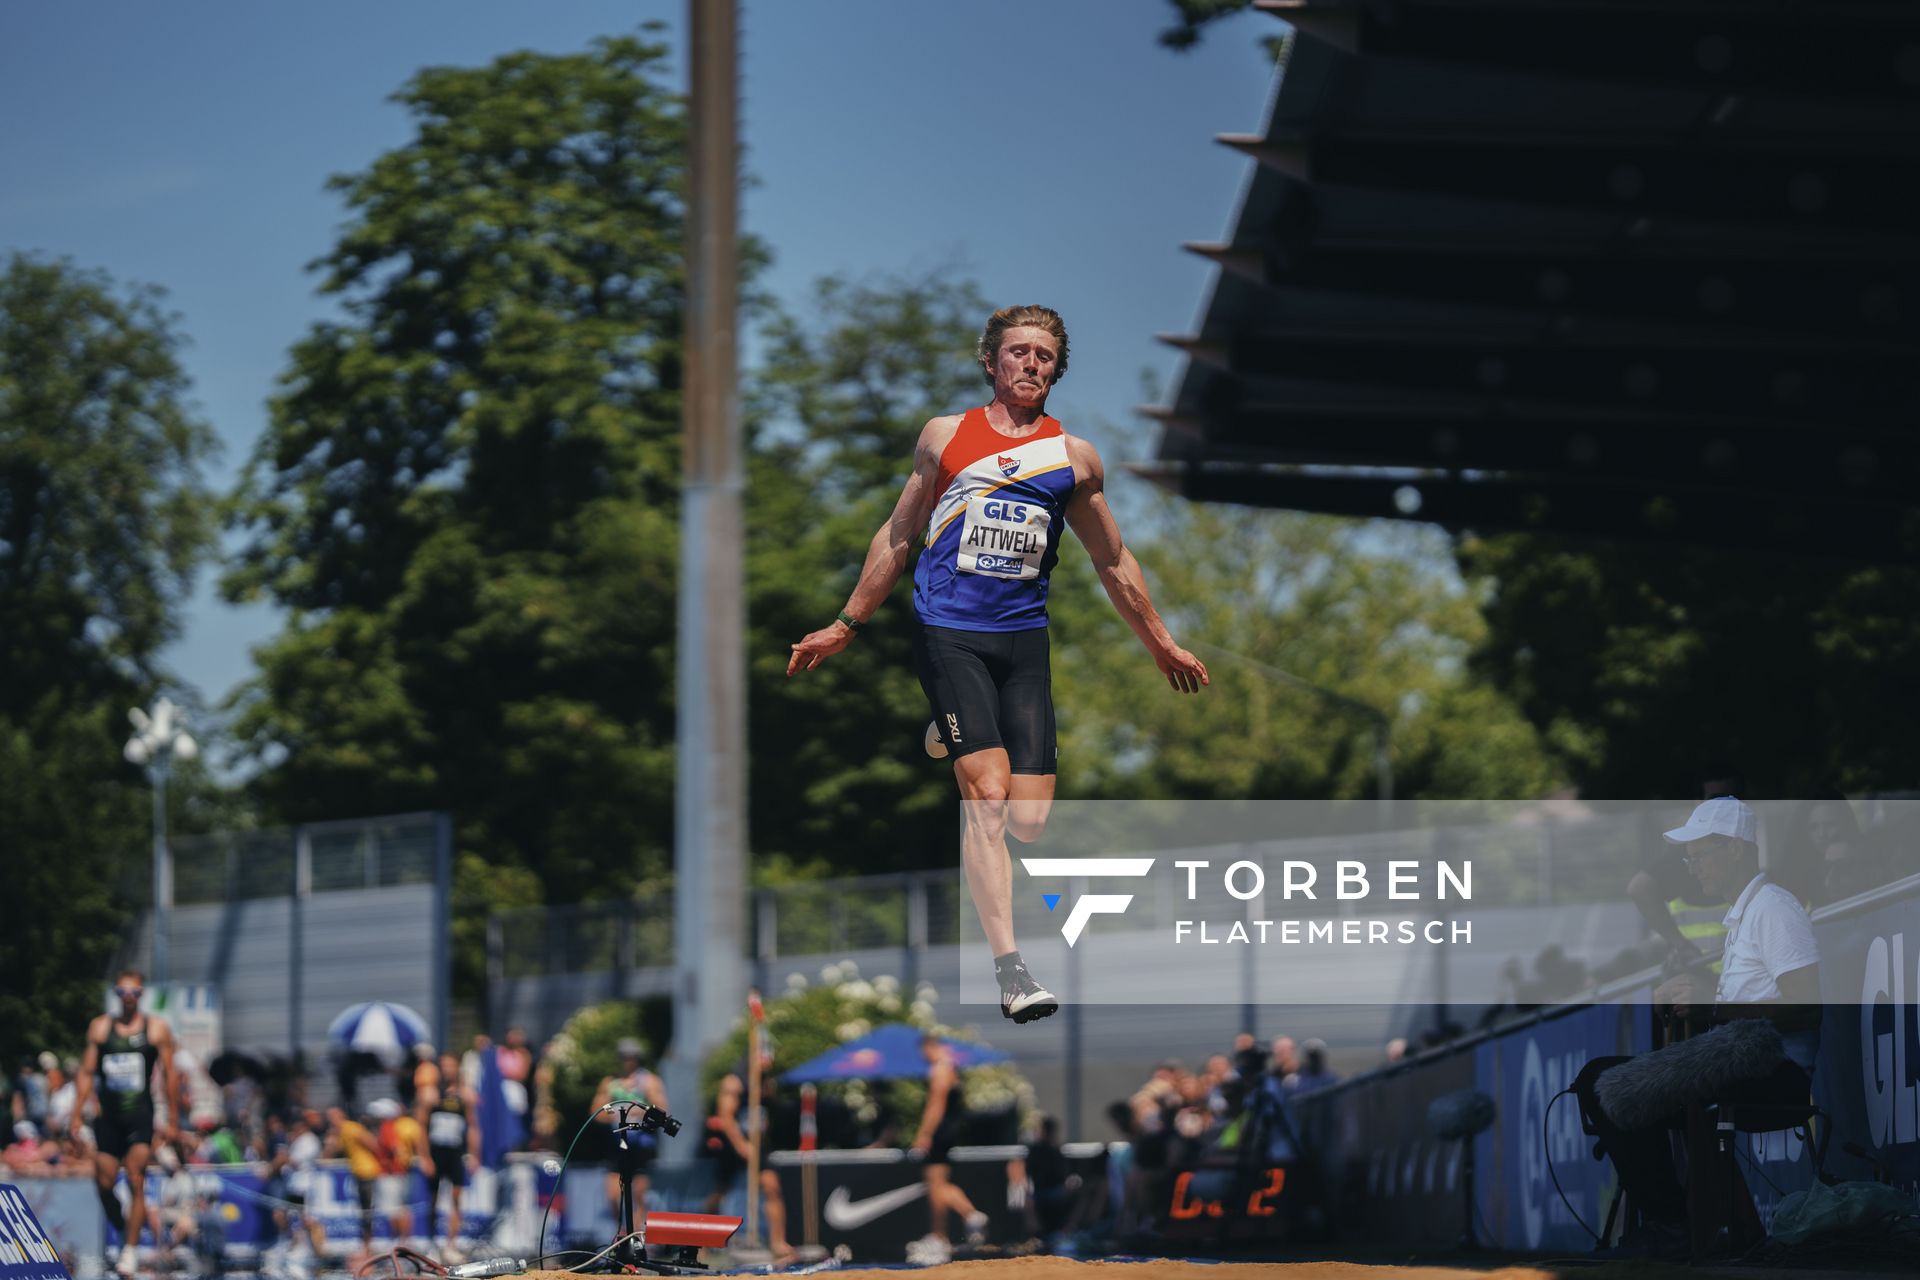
[{"x": 1087, "y": 905}]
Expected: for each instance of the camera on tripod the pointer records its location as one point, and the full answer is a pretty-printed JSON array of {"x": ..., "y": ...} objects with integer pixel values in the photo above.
[{"x": 652, "y": 1119}]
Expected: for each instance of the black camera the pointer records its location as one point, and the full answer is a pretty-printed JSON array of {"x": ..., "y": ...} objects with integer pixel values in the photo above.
[{"x": 652, "y": 1120}]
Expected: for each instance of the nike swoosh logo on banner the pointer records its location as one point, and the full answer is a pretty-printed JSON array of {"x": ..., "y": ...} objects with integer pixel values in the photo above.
[{"x": 844, "y": 1213}]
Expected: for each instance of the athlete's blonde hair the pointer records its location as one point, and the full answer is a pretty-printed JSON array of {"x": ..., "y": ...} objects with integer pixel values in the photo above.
[{"x": 1016, "y": 317}]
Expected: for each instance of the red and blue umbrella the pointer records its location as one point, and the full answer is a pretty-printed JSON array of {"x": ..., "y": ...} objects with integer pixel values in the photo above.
[{"x": 891, "y": 1052}]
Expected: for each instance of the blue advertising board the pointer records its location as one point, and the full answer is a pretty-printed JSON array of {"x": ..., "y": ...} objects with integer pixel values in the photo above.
[
  {"x": 1868, "y": 1074},
  {"x": 1521, "y": 1071},
  {"x": 241, "y": 1202},
  {"x": 25, "y": 1251}
]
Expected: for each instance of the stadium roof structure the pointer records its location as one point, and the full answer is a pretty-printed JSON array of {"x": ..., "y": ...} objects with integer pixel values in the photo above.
[{"x": 1639, "y": 270}]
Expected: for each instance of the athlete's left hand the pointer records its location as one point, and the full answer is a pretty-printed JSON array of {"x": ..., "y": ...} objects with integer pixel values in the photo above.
[
  {"x": 1183, "y": 671},
  {"x": 819, "y": 646}
]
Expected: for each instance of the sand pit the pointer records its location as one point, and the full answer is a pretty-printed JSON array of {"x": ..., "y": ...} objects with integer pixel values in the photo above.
[{"x": 1069, "y": 1269}]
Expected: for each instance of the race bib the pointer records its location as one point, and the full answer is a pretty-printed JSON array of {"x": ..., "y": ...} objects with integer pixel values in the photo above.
[
  {"x": 124, "y": 1072},
  {"x": 1003, "y": 538},
  {"x": 446, "y": 1129}
]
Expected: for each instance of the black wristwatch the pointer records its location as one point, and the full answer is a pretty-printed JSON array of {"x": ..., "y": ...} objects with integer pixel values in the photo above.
[{"x": 850, "y": 620}]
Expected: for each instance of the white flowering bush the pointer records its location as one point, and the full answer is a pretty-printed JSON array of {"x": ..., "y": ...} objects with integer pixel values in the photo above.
[
  {"x": 586, "y": 1052},
  {"x": 809, "y": 1018}
]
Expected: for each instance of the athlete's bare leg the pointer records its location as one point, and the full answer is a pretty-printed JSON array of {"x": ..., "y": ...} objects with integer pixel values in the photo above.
[
  {"x": 776, "y": 1210},
  {"x": 138, "y": 1157},
  {"x": 1029, "y": 805},
  {"x": 106, "y": 1169},
  {"x": 986, "y": 781},
  {"x": 943, "y": 1194}
]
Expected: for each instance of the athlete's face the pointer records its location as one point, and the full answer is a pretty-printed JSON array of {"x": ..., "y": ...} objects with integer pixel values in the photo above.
[
  {"x": 129, "y": 992},
  {"x": 1024, "y": 370}
]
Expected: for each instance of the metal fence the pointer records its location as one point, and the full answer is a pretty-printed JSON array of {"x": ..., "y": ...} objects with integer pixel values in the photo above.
[
  {"x": 291, "y": 925},
  {"x": 902, "y": 911}
]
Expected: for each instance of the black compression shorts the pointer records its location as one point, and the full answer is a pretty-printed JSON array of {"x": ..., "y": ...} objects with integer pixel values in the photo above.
[
  {"x": 990, "y": 689},
  {"x": 115, "y": 1136},
  {"x": 449, "y": 1165}
]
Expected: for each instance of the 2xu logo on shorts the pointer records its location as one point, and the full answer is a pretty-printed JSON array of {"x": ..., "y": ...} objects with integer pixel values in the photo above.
[
  {"x": 953, "y": 726},
  {"x": 1088, "y": 905}
]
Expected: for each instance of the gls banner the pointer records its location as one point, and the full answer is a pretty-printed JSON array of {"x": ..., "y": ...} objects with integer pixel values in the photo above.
[
  {"x": 25, "y": 1251},
  {"x": 1522, "y": 1071},
  {"x": 239, "y": 1196}
]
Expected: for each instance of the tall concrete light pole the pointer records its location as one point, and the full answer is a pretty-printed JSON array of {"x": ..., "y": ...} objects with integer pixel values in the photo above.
[
  {"x": 710, "y": 826},
  {"x": 159, "y": 738}
]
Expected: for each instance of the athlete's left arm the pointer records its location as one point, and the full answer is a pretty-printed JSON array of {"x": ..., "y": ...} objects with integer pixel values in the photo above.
[
  {"x": 170, "y": 1086},
  {"x": 474, "y": 1145},
  {"x": 1093, "y": 523}
]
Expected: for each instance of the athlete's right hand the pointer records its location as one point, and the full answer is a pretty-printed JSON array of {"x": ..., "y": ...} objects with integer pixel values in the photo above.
[
  {"x": 819, "y": 646},
  {"x": 74, "y": 1126}
]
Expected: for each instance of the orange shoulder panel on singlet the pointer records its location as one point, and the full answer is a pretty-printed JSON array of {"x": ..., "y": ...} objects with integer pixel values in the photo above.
[{"x": 975, "y": 438}]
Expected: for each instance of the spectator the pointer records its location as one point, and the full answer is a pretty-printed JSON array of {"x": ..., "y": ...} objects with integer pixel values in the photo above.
[
  {"x": 1286, "y": 1057},
  {"x": 422, "y": 1075},
  {"x": 356, "y": 1141},
  {"x": 30, "y": 1155},
  {"x": 30, "y": 1090},
  {"x": 218, "y": 1145},
  {"x": 1841, "y": 859},
  {"x": 516, "y": 1070},
  {"x": 1047, "y": 1171},
  {"x": 402, "y": 1149},
  {"x": 293, "y": 1173},
  {"x": 1313, "y": 1073},
  {"x": 546, "y": 1113},
  {"x": 61, "y": 1091}
]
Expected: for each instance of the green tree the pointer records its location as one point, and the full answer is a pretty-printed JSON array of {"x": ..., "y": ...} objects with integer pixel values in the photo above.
[
  {"x": 1193, "y": 16},
  {"x": 466, "y": 497},
  {"x": 846, "y": 385},
  {"x": 1373, "y": 612},
  {"x": 1645, "y": 667},
  {"x": 103, "y": 518}
]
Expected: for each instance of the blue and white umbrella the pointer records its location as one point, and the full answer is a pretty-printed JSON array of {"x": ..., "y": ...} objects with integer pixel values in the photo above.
[{"x": 378, "y": 1027}]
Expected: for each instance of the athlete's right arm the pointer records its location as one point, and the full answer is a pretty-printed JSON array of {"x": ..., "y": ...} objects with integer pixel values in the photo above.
[
  {"x": 83, "y": 1081},
  {"x": 726, "y": 1110},
  {"x": 939, "y": 1084},
  {"x": 890, "y": 549}
]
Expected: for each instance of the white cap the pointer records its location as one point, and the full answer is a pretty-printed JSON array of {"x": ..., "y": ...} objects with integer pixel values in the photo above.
[
  {"x": 384, "y": 1109},
  {"x": 1720, "y": 816}
]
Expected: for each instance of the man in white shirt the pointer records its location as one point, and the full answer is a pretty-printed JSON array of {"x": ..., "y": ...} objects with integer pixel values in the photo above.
[{"x": 1770, "y": 970}]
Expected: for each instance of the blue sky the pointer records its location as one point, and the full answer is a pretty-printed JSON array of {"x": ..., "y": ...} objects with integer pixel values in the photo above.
[{"x": 1051, "y": 151}]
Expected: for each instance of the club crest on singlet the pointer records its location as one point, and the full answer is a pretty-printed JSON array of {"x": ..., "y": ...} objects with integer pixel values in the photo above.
[{"x": 991, "y": 541}]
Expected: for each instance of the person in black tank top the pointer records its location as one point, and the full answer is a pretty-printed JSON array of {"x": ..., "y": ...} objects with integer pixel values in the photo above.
[
  {"x": 117, "y": 1077},
  {"x": 449, "y": 1113},
  {"x": 942, "y": 1125}
]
